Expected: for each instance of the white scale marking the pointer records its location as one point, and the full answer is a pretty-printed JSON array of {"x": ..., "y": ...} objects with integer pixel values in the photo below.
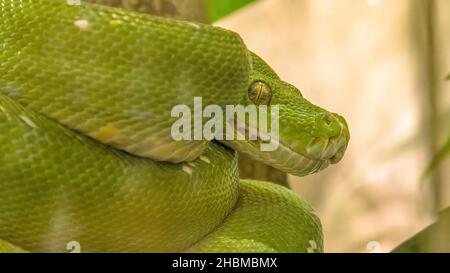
[
  {"x": 28, "y": 121},
  {"x": 193, "y": 24},
  {"x": 187, "y": 169},
  {"x": 205, "y": 159},
  {"x": 81, "y": 24}
]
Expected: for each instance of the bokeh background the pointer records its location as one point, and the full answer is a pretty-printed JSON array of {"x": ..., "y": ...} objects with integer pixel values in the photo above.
[{"x": 383, "y": 65}]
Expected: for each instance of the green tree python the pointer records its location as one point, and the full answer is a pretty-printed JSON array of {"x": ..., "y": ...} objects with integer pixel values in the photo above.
[{"x": 86, "y": 93}]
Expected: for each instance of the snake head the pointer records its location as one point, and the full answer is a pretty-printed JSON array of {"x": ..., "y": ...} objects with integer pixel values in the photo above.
[{"x": 308, "y": 138}]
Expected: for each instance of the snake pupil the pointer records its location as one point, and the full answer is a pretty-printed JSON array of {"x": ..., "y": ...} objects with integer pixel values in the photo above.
[{"x": 260, "y": 93}]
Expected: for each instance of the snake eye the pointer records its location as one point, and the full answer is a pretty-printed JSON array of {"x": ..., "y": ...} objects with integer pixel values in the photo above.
[{"x": 260, "y": 93}]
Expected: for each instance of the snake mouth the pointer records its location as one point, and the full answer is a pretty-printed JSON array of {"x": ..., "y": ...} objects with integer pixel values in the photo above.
[
  {"x": 331, "y": 149},
  {"x": 317, "y": 155},
  {"x": 320, "y": 154}
]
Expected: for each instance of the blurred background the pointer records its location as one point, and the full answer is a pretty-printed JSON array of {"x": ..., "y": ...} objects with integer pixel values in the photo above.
[{"x": 383, "y": 65}]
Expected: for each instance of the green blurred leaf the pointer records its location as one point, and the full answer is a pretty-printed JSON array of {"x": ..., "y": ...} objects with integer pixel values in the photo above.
[
  {"x": 448, "y": 77},
  {"x": 439, "y": 158},
  {"x": 434, "y": 238},
  {"x": 218, "y": 9}
]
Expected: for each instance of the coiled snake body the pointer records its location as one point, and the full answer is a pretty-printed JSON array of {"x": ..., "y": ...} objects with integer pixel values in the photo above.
[{"x": 86, "y": 94}]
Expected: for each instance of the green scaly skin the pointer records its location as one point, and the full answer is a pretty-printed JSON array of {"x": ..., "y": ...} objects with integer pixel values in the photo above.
[{"x": 86, "y": 152}]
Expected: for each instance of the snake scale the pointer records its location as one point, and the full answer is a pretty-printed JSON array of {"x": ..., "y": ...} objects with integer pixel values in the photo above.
[{"x": 86, "y": 93}]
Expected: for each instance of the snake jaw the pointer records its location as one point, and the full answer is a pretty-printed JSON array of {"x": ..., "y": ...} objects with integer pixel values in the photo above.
[
  {"x": 284, "y": 158},
  {"x": 330, "y": 146},
  {"x": 317, "y": 155}
]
